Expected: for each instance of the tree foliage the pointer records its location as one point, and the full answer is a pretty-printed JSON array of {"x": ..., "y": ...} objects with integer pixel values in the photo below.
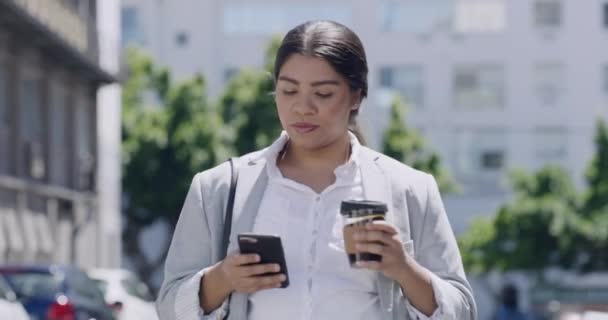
[{"x": 406, "y": 145}]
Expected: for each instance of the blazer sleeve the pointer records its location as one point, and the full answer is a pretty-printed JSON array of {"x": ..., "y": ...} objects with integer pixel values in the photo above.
[
  {"x": 190, "y": 254},
  {"x": 437, "y": 251}
]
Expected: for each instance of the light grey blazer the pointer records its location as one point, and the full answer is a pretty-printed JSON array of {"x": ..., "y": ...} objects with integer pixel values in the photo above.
[{"x": 415, "y": 207}]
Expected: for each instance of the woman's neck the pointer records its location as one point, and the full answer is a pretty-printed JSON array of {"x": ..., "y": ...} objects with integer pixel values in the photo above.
[{"x": 327, "y": 157}]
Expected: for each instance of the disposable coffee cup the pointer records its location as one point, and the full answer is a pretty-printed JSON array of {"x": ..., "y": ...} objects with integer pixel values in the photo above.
[{"x": 355, "y": 215}]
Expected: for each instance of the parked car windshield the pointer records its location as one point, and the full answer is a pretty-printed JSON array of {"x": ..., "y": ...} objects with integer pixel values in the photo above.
[
  {"x": 5, "y": 291},
  {"x": 102, "y": 285},
  {"x": 82, "y": 285},
  {"x": 35, "y": 284}
]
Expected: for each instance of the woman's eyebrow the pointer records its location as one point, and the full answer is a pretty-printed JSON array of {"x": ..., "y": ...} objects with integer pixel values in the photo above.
[
  {"x": 288, "y": 79},
  {"x": 324, "y": 82},
  {"x": 314, "y": 84}
]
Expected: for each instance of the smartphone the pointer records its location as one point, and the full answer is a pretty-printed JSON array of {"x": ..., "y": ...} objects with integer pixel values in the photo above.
[{"x": 268, "y": 247}]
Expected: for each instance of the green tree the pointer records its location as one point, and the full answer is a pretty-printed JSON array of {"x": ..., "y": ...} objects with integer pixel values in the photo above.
[
  {"x": 169, "y": 133},
  {"x": 406, "y": 145},
  {"x": 547, "y": 223},
  {"x": 534, "y": 230},
  {"x": 248, "y": 108},
  {"x": 594, "y": 243}
]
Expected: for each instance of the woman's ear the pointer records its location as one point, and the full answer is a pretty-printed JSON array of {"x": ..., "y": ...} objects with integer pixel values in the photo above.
[{"x": 356, "y": 100}]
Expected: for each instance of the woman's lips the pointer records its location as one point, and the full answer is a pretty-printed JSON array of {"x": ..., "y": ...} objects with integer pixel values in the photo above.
[{"x": 304, "y": 127}]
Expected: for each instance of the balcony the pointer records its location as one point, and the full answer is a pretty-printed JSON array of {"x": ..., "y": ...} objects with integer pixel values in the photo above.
[
  {"x": 60, "y": 19},
  {"x": 59, "y": 30}
]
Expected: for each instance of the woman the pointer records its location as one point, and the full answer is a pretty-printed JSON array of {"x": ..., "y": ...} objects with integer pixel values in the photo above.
[{"x": 294, "y": 188}]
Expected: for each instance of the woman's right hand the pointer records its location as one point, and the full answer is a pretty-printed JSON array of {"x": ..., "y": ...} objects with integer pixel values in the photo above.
[{"x": 243, "y": 273}]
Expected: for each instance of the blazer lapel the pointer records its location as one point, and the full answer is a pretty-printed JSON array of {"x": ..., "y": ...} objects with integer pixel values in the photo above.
[
  {"x": 250, "y": 189},
  {"x": 377, "y": 187}
]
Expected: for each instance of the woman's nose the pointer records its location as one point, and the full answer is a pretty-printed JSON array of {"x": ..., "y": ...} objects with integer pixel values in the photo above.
[{"x": 304, "y": 105}]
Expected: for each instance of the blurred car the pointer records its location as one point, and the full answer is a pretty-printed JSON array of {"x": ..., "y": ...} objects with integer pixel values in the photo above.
[
  {"x": 10, "y": 307},
  {"x": 57, "y": 293},
  {"x": 129, "y": 296}
]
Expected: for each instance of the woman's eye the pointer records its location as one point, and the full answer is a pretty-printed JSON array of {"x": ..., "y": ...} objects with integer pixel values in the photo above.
[
  {"x": 289, "y": 92},
  {"x": 324, "y": 95}
]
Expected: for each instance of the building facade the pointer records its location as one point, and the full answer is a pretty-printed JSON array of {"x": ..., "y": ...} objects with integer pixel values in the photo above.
[
  {"x": 492, "y": 84},
  {"x": 50, "y": 120}
]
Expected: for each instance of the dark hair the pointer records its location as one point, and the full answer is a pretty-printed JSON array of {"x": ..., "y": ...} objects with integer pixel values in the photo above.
[{"x": 336, "y": 44}]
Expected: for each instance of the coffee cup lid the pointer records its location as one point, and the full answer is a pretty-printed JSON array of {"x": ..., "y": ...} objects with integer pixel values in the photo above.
[{"x": 349, "y": 206}]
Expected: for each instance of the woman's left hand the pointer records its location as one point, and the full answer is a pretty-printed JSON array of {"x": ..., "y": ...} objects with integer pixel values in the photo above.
[{"x": 383, "y": 239}]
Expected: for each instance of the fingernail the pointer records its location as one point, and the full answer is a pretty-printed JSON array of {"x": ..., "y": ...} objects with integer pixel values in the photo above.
[
  {"x": 257, "y": 258},
  {"x": 276, "y": 268},
  {"x": 283, "y": 277}
]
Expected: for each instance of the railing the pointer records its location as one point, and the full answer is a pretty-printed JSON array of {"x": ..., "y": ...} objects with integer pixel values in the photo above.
[{"x": 60, "y": 19}]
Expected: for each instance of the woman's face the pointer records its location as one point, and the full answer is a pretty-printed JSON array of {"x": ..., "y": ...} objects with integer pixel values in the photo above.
[{"x": 314, "y": 102}]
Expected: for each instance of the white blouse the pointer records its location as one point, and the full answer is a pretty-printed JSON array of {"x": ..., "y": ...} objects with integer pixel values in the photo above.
[{"x": 322, "y": 283}]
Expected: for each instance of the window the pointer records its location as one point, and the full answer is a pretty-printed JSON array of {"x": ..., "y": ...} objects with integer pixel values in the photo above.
[
  {"x": 550, "y": 145},
  {"x": 492, "y": 159},
  {"x": 81, "y": 285},
  {"x": 58, "y": 142},
  {"x": 84, "y": 155},
  {"x": 4, "y": 115},
  {"x": 549, "y": 83},
  {"x": 259, "y": 18},
  {"x": 34, "y": 284},
  {"x": 605, "y": 80},
  {"x": 229, "y": 73},
  {"x": 476, "y": 16},
  {"x": 181, "y": 39},
  {"x": 32, "y": 129},
  {"x": 407, "y": 81},
  {"x": 415, "y": 16},
  {"x": 130, "y": 26},
  {"x": 31, "y": 122},
  {"x": 548, "y": 13},
  {"x": 4, "y": 121},
  {"x": 479, "y": 87},
  {"x": 605, "y": 11},
  {"x": 480, "y": 152}
]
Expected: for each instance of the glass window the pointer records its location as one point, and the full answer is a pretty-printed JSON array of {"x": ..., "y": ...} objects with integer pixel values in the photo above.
[
  {"x": 131, "y": 32},
  {"x": 82, "y": 285},
  {"x": 4, "y": 116},
  {"x": 548, "y": 13},
  {"x": 181, "y": 39},
  {"x": 84, "y": 154},
  {"x": 35, "y": 284},
  {"x": 102, "y": 285},
  {"x": 257, "y": 18},
  {"x": 605, "y": 80},
  {"x": 415, "y": 16},
  {"x": 550, "y": 145},
  {"x": 59, "y": 170},
  {"x": 5, "y": 291},
  {"x": 479, "y": 87},
  {"x": 4, "y": 121},
  {"x": 408, "y": 81},
  {"x": 549, "y": 86},
  {"x": 480, "y": 16},
  {"x": 229, "y": 73},
  {"x": 605, "y": 12},
  {"x": 480, "y": 151},
  {"x": 31, "y": 122}
]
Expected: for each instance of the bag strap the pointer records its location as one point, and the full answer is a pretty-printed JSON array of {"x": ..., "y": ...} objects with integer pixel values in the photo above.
[{"x": 229, "y": 207}]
